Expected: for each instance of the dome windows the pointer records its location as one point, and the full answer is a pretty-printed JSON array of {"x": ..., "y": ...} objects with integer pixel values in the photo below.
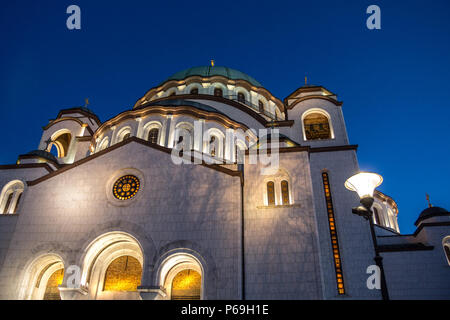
[
  {"x": 153, "y": 135},
  {"x": 218, "y": 92},
  {"x": 194, "y": 91},
  {"x": 241, "y": 97}
]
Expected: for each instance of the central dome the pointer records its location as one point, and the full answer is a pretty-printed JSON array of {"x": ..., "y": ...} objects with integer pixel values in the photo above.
[{"x": 208, "y": 71}]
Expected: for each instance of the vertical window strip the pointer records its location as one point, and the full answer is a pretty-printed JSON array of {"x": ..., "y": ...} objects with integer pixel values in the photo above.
[
  {"x": 271, "y": 193},
  {"x": 333, "y": 235},
  {"x": 285, "y": 192}
]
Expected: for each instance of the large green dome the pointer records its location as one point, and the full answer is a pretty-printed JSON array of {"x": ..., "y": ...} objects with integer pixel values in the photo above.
[{"x": 208, "y": 71}]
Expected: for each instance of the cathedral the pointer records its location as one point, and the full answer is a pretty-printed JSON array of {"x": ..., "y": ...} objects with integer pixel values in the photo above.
[{"x": 164, "y": 202}]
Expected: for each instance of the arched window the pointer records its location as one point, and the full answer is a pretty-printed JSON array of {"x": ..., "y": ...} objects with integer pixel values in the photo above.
[
  {"x": 241, "y": 97},
  {"x": 186, "y": 285},
  {"x": 261, "y": 106},
  {"x": 317, "y": 126},
  {"x": 218, "y": 92},
  {"x": 212, "y": 146},
  {"x": 194, "y": 91},
  {"x": 153, "y": 135},
  {"x": 61, "y": 143},
  {"x": 173, "y": 94},
  {"x": 10, "y": 197},
  {"x": 285, "y": 192},
  {"x": 376, "y": 216},
  {"x": 104, "y": 144},
  {"x": 123, "y": 134},
  {"x": 446, "y": 244},
  {"x": 271, "y": 193},
  {"x": 123, "y": 274},
  {"x": 8, "y": 203}
]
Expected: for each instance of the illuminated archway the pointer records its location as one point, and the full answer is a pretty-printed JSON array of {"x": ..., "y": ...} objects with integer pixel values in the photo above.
[
  {"x": 42, "y": 278},
  {"x": 186, "y": 285},
  {"x": 112, "y": 267},
  {"x": 61, "y": 141},
  {"x": 182, "y": 277}
]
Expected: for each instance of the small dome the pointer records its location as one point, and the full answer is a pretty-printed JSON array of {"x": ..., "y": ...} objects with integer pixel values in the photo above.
[
  {"x": 208, "y": 71},
  {"x": 43, "y": 154},
  {"x": 431, "y": 212}
]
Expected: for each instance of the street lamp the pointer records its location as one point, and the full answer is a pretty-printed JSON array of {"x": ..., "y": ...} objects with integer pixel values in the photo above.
[{"x": 364, "y": 183}]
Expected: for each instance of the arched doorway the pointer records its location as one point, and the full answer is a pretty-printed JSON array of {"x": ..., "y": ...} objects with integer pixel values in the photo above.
[
  {"x": 42, "y": 279},
  {"x": 182, "y": 277},
  {"x": 186, "y": 285},
  {"x": 112, "y": 267}
]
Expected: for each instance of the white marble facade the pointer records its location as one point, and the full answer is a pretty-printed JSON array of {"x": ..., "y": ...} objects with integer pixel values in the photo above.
[{"x": 60, "y": 211}]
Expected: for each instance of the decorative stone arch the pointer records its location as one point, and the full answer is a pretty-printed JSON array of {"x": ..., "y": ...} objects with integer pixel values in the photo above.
[
  {"x": 179, "y": 255},
  {"x": 150, "y": 125},
  {"x": 317, "y": 111},
  {"x": 11, "y": 194},
  {"x": 125, "y": 230},
  {"x": 103, "y": 144},
  {"x": 62, "y": 140},
  {"x": 446, "y": 247},
  {"x": 182, "y": 129},
  {"x": 218, "y": 85},
  {"x": 123, "y": 133},
  {"x": 194, "y": 85},
  {"x": 47, "y": 258},
  {"x": 171, "y": 91},
  {"x": 244, "y": 91},
  {"x": 219, "y": 142}
]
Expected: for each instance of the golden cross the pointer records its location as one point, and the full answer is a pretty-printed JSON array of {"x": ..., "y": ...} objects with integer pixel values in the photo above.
[
  {"x": 428, "y": 199},
  {"x": 86, "y": 101},
  {"x": 306, "y": 80},
  {"x": 212, "y": 63}
]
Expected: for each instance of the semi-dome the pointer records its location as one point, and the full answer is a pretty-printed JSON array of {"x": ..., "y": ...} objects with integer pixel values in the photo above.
[
  {"x": 431, "y": 212},
  {"x": 209, "y": 71},
  {"x": 43, "y": 154}
]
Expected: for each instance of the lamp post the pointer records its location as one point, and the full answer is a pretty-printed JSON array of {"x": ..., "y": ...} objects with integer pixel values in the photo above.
[{"x": 364, "y": 183}]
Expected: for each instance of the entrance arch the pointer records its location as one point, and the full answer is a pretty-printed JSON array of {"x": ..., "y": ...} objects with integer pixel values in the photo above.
[
  {"x": 112, "y": 267},
  {"x": 42, "y": 278},
  {"x": 182, "y": 277}
]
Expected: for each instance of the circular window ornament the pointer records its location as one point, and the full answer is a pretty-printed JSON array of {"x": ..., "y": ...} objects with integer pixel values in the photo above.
[{"x": 126, "y": 187}]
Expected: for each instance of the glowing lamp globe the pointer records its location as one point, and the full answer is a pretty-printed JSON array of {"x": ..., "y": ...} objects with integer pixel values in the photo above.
[{"x": 364, "y": 183}]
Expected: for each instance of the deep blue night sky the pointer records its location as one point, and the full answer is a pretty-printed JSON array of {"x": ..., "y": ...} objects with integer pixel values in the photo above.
[{"x": 395, "y": 82}]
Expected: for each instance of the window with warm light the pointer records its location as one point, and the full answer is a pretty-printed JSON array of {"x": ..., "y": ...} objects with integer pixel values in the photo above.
[
  {"x": 52, "y": 290},
  {"x": 123, "y": 274},
  {"x": 186, "y": 285},
  {"x": 285, "y": 192},
  {"x": 317, "y": 127},
  {"x": 271, "y": 193},
  {"x": 333, "y": 235}
]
